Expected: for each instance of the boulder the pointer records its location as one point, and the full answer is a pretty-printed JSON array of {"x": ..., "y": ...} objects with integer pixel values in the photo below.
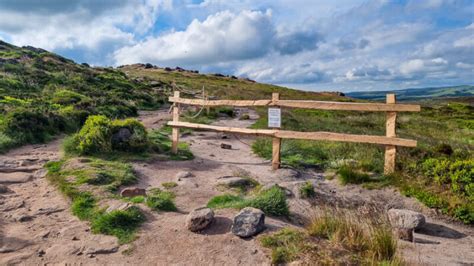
[
  {"x": 248, "y": 222},
  {"x": 404, "y": 222},
  {"x": 132, "y": 192},
  {"x": 199, "y": 219},
  {"x": 123, "y": 135}
]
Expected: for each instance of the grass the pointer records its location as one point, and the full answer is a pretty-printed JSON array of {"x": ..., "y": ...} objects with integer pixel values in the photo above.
[
  {"x": 348, "y": 175},
  {"x": 336, "y": 237},
  {"x": 307, "y": 190},
  {"x": 160, "y": 142},
  {"x": 161, "y": 200},
  {"x": 120, "y": 223},
  {"x": 169, "y": 185},
  {"x": 138, "y": 199},
  {"x": 271, "y": 201}
]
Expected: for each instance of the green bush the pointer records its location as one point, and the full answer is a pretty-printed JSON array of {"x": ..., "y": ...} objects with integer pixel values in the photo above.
[
  {"x": 95, "y": 135},
  {"x": 27, "y": 126},
  {"x": 121, "y": 224},
  {"x": 100, "y": 135},
  {"x": 6, "y": 142},
  {"x": 67, "y": 97}
]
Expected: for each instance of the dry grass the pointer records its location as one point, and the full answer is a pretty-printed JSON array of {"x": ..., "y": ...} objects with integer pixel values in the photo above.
[{"x": 337, "y": 237}]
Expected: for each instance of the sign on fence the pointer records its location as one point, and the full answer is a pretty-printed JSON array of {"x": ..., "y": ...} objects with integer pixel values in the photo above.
[{"x": 274, "y": 117}]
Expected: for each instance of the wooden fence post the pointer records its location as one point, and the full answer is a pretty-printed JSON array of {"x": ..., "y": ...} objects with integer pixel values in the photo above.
[
  {"x": 390, "y": 150},
  {"x": 276, "y": 142},
  {"x": 175, "y": 130}
]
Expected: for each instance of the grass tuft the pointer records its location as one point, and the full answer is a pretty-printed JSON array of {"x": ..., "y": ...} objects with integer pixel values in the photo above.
[
  {"x": 161, "y": 200},
  {"x": 307, "y": 190},
  {"x": 347, "y": 175}
]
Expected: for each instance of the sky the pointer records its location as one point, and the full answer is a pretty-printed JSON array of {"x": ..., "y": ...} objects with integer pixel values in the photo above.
[{"x": 320, "y": 45}]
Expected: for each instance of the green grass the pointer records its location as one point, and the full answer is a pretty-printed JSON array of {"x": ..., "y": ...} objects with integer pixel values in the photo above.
[
  {"x": 348, "y": 175},
  {"x": 161, "y": 200},
  {"x": 138, "y": 199},
  {"x": 120, "y": 223},
  {"x": 307, "y": 190},
  {"x": 160, "y": 142},
  {"x": 169, "y": 185},
  {"x": 271, "y": 201},
  {"x": 285, "y": 245}
]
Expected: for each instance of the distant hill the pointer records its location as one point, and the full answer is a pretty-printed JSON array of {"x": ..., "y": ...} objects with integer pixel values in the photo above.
[{"x": 417, "y": 94}]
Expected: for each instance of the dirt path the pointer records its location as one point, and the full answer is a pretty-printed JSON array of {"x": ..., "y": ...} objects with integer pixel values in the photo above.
[{"x": 36, "y": 226}]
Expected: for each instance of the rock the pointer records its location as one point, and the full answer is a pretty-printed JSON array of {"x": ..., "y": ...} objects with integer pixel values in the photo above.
[
  {"x": 63, "y": 249},
  {"x": 226, "y": 146},
  {"x": 183, "y": 174},
  {"x": 22, "y": 217},
  {"x": 286, "y": 173},
  {"x": 48, "y": 210},
  {"x": 100, "y": 244},
  {"x": 133, "y": 192},
  {"x": 122, "y": 136},
  {"x": 404, "y": 222},
  {"x": 40, "y": 173},
  {"x": 120, "y": 206},
  {"x": 4, "y": 189},
  {"x": 199, "y": 219},
  {"x": 248, "y": 222},
  {"x": 15, "y": 177},
  {"x": 234, "y": 181},
  {"x": 12, "y": 204}
]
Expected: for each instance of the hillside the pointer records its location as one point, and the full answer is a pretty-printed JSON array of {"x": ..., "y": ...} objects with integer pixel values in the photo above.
[
  {"x": 43, "y": 94},
  {"x": 417, "y": 94}
]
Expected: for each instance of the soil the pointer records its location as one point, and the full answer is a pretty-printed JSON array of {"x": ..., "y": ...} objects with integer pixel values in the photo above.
[{"x": 36, "y": 226}]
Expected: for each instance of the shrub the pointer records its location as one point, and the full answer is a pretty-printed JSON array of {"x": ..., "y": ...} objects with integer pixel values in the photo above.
[
  {"x": 67, "y": 97},
  {"x": 6, "y": 142},
  {"x": 169, "y": 185},
  {"x": 99, "y": 135},
  {"x": 161, "y": 200},
  {"x": 307, "y": 190},
  {"x": 271, "y": 201},
  {"x": 121, "y": 224},
  {"x": 349, "y": 176},
  {"x": 137, "y": 199},
  {"x": 27, "y": 126},
  {"x": 95, "y": 135},
  {"x": 138, "y": 139}
]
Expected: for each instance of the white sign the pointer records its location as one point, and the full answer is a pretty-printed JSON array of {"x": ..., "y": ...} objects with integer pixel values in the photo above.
[{"x": 274, "y": 117}]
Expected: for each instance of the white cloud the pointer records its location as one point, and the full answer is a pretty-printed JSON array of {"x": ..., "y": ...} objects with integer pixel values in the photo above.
[{"x": 224, "y": 36}]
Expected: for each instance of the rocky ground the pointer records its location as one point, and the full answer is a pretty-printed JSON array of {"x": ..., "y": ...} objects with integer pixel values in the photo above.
[{"x": 36, "y": 226}]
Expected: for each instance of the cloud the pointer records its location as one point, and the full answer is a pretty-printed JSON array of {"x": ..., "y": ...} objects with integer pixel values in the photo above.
[{"x": 222, "y": 37}]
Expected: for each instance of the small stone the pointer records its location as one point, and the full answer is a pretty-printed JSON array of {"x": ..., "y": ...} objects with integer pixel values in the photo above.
[
  {"x": 224, "y": 137},
  {"x": 4, "y": 189},
  {"x": 199, "y": 219},
  {"x": 133, "y": 192},
  {"x": 41, "y": 253},
  {"x": 40, "y": 173},
  {"x": 226, "y": 146},
  {"x": 248, "y": 222},
  {"x": 74, "y": 238},
  {"x": 183, "y": 174},
  {"x": 121, "y": 206}
]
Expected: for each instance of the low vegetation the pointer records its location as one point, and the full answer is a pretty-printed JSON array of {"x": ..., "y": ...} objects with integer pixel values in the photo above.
[
  {"x": 271, "y": 201},
  {"x": 307, "y": 190},
  {"x": 338, "y": 237},
  {"x": 161, "y": 200},
  {"x": 85, "y": 205}
]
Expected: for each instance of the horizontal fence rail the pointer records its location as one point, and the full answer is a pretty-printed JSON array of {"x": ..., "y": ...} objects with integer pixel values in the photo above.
[
  {"x": 344, "y": 106},
  {"x": 390, "y": 140}
]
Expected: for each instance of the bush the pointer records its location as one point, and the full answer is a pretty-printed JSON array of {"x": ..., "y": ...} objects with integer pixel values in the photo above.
[
  {"x": 6, "y": 142},
  {"x": 66, "y": 97},
  {"x": 95, "y": 135},
  {"x": 121, "y": 224},
  {"x": 27, "y": 126},
  {"x": 161, "y": 200},
  {"x": 99, "y": 135},
  {"x": 169, "y": 185},
  {"x": 349, "y": 176}
]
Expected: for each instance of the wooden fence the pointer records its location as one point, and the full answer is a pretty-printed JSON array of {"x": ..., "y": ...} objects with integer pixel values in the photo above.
[{"x": 390, "y": 140}]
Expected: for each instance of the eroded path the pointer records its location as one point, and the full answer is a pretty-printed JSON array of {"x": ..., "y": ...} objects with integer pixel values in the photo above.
[{"x": 36, "y": 226}]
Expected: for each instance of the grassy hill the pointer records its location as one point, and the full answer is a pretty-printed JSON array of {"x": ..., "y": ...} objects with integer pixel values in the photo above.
[
  {"x": 43, "y": 94},
  {"x": 417, "y": 94}
]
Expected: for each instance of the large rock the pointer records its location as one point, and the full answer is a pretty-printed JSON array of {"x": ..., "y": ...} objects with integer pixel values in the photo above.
[
  {"x": 15, "y": 177},
  {"x": 404, "y": 222},
  {"x": 248, "y": 222},
  {"x": 123, "y": 135},
  {"x": 199, "y": 219},
  {"x": 132, "y": 192}
]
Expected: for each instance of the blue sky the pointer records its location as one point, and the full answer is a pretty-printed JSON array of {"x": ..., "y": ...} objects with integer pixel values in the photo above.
[{"x": 342, "y": 45}]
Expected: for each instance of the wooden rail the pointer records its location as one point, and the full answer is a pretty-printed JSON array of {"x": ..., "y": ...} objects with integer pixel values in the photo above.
[{"x": 390, "y": 140}]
